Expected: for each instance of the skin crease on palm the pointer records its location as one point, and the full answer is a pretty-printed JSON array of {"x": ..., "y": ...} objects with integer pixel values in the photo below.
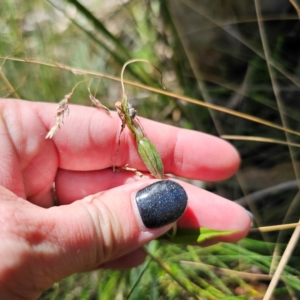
[{"x": 95, "y": 224}]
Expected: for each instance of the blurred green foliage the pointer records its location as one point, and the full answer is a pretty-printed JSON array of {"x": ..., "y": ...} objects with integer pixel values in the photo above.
[{"x": 206, "y": 50}]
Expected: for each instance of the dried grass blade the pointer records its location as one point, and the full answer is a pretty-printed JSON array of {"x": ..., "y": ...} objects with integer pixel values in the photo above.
[
  {"x": 162, "y": 92},
  {"x": 257, "y": 139}
]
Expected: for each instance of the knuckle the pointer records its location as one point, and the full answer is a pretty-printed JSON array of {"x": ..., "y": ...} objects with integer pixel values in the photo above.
[{"x": 107, "y": 229}]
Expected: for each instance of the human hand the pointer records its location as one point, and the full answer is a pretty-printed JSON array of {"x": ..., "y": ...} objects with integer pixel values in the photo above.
[{"x": 97, "y": 223}]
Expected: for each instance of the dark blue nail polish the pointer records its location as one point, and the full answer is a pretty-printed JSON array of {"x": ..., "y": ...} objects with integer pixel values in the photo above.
[{"x": 161, "y": 203}]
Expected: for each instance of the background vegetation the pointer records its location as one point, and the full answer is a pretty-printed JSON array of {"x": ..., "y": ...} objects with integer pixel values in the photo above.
[{"x": 237, "y": 55}]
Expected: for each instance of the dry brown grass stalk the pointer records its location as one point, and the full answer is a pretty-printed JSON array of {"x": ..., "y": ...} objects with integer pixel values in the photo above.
[{"x": 63, "y": 109}]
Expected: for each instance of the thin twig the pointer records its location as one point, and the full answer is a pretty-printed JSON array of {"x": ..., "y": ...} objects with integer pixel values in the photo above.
[
  {"x": 295, "y": 237},
  {"x": 11, "y": 89},
  {"x": 258, "y": 139},
  {"x": 162, "y": 92},
  {"x": 275, "y": 227},
  {"x": 6, "y": 81},
  {"x": 261, "y": 194},
  {"x": 296, "y": 6},
  {"x": 284, "y": 260}
]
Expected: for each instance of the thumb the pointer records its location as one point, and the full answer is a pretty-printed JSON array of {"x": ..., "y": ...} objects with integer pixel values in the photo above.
[
  {"x": 110, "y": 224},
  {"x": 50, "y": 244}
]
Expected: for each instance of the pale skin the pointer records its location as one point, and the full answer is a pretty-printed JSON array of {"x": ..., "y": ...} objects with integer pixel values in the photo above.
[{"x": 97, "y": 227}]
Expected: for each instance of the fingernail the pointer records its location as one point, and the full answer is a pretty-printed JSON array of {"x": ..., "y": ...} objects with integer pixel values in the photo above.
[
  {"x": 250, "y": 214},
  {"x": 161, "y": 203}
]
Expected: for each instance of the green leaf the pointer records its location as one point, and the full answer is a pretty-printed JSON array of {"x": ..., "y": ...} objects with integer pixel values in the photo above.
[
  {"x": 207, "y": 233},
  {"x": 194, "y": 235}
]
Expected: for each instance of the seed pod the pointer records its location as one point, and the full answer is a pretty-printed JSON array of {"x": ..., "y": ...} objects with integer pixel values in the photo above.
[
  {"x": 146, "y": 149},
  {"x": 150, "y": 157}
]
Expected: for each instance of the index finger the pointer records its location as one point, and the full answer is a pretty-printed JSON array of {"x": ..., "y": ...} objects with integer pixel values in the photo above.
[{"x": 89, "y": 140}]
